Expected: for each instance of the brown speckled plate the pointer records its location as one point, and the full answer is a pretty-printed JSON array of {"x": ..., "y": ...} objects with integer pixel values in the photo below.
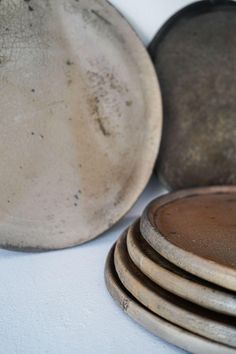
[
  {"x": 194, "y": 55},
  {"x": 196, "y": 230},
  {"x": 155, "y": 324},
  {"x": 176, "y": 280},
  {"x": 185, "y": 314},
  {"x": 80, "y": 121}
]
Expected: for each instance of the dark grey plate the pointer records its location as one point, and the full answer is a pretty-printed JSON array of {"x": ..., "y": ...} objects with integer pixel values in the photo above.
[{"x": 195, "y": 59}]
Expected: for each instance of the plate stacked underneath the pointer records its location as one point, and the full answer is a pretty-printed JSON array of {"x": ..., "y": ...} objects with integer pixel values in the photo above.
[{"x": 174, "y": 272}]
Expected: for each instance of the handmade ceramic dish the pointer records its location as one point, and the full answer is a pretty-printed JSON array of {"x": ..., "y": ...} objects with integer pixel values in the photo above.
[
  {"x": 194, "y": 318},
  {"x": 155, "y": 324},
  {"x": 176, "y": 280},
  {"x": 195, "y": 230},
  {"x": 194, "y": 55},
  {"x": 80, "y": 123}
]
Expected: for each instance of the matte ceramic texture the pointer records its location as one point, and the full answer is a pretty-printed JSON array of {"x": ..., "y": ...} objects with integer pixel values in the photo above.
[
  {"x": 80, "y": 124},
  {"x": 198, "y": 320},
  {"x": 155, "y": 324},
  {"x": 175, "y": 280},
  {"x": 195, "y": 230},
  {"x": 194, "y": 55}
]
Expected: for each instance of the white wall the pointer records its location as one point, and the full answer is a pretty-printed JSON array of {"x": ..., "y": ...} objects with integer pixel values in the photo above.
[{"x": 146, "y": 16}]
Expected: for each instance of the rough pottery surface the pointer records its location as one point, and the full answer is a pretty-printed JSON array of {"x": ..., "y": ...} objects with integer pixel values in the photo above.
[
  {"x": 185, "y": 314},
  {"x": 195, "y": 230},
  {"x": 176, "y": 280},
  {"x": 194, "y": 55},
  {"x": 155, "y": 324},
  {"x": 80, "y": 123}
]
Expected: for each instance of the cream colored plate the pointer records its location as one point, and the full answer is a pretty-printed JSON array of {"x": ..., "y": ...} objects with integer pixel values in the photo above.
[
  {"x": 155, "y": 324},
  {"x": 176, "y": 280},
  {"x": 198, "y": 320},
  {"x": 80, "y": 124}
]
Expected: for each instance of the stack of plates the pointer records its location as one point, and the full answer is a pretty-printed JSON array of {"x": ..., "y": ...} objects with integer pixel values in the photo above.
[{"x": 174, "y": 270}]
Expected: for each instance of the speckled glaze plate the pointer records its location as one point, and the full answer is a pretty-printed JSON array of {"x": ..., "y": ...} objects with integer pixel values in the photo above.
[
  {"x": 155, "y": 324},
  {"x": 194, "y": 55},
  {"x": 80, "y": 123},
  {"x": 195, "y": 229},
  {"x": 185, "y": 314},
  {"x": 176, "y": 280}
]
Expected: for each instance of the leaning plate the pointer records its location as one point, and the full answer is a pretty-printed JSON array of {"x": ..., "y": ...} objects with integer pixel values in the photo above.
[
  {"x": 198, "y": 320},
  {"x": 176, "y": 280},
  {"x": 80, "y": 124},
  {"x": 196, "y": 230},
  {"x": 194, "y": 55},
  {"x": 155, "y": 324}
]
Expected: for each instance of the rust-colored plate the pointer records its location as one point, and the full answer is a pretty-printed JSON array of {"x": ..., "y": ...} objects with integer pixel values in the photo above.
[
  {"x": 196, "y": 230},
  {"x": 155, "y": 324},
  {"x": 80, "y": 121},
  {"x": 194, "y": 55},
  {"x": 176, "y": 280},
  {"x": 183, "y": 313}
]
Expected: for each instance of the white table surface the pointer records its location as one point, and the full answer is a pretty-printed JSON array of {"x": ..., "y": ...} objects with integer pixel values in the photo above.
[{"x": 57, "y": 302}]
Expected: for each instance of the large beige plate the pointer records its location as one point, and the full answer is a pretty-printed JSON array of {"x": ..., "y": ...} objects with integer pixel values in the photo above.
[
  {"x": 196, "y": 230},
  {"x": 80, "y": 124},
  {"x": 176, "y": 280},
  {"x": 196, "y": 319},
  {"x": 155, "y": 324}
]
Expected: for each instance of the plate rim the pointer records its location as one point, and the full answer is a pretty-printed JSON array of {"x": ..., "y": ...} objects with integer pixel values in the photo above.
[
  {"x": 206, "y": 323},
  {"x": 153, "y": 323},
  {"x": 197, "y": 292}
]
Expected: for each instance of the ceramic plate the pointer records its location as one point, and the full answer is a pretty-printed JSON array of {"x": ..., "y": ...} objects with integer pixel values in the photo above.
[
  {"x": 196, "y": 230},
  {"x": 176, "y": 280},
  {"x": 194, "y": 55},
  {"x": 155, "y": 324},
  {"x": 198, "y": 320},
  {"x": 80, "y": 124}
]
